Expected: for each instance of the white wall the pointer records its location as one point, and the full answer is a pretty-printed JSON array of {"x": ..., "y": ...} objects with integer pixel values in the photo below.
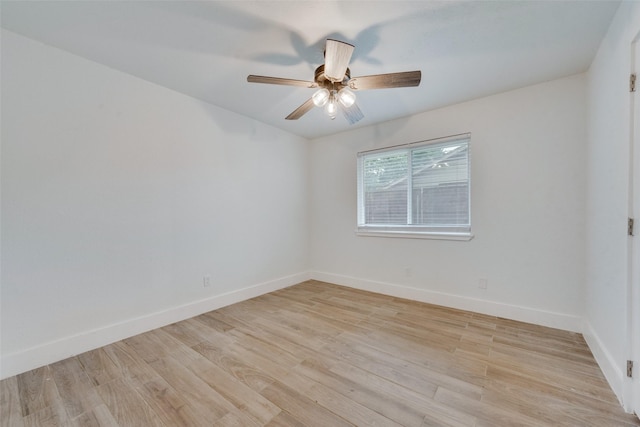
[
  {"x": 118, "y": 196},
  {"x": 608, "y": 196},
  {"x": 528, "y": 199}
]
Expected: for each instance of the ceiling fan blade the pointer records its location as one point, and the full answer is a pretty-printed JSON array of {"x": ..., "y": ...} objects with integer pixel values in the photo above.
[
  {"x": 301, "y": 110},
  {"x": 352, "y": 113},
  {"x": 383, "y": 81},
  {"x": 337, "y": 55},
  {"x": 280, "y": 81}
]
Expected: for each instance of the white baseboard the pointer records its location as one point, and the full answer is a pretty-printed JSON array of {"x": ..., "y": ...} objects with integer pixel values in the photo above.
[
  {"x": 41, "y": 355},
  {"x": 524, "y": 314},
  {"x": 31, "y": 358},
  {"x": 612, "y": 372}
]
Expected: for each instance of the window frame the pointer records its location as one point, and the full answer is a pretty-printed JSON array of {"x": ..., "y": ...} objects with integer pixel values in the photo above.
[{"x": 462, "y": 233}]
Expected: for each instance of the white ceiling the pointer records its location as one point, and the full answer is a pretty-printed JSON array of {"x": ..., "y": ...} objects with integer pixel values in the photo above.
[{"x": 206, "y": 49}]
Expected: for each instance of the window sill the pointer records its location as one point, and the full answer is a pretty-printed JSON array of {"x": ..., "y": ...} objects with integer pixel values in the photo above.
[{"x": 459, "y": 236}]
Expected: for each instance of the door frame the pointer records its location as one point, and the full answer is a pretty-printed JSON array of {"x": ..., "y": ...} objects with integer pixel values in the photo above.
[{"x": 633, "y": 291}]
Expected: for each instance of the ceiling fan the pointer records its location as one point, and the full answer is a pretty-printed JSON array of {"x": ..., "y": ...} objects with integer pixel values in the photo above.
[{"x": 335, "y": 84}]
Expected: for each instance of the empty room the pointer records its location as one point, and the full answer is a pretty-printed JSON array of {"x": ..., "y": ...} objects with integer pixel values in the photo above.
[{"x": 319, "y": 213}]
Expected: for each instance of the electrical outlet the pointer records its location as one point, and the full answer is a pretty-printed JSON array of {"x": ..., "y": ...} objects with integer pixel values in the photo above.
[
  {"x": 482, "y": 283},
  {"x": 408, "y": 272},
  {"x": 206, "y": 281}
]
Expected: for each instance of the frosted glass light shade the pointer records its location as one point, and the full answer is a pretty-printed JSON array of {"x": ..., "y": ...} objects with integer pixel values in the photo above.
[
  {"x": 346, "y": 97},
  {"x": 331, "y": 108},
  {"x": 320, "y": 98}
]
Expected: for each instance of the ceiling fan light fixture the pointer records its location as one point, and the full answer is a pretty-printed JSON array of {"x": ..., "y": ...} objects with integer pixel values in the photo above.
[
  {"x": 331, "y": 108},
  {"x": 346, "y": 97},
  {"x": 321, "y": 97},
  {"x": 333, "y": 84}
]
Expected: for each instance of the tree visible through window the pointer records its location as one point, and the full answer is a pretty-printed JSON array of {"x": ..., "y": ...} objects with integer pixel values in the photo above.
[{"x": 418, "y": 188}]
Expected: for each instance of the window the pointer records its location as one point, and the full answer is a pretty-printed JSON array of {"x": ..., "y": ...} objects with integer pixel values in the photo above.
[{"x": 416, "y": 190}]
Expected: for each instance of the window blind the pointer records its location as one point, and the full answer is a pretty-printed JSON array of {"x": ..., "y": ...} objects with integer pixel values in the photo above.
[{"x": 420, "y": 187}]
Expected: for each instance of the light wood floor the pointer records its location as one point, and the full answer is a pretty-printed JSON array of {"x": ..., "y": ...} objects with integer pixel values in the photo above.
[{"x": 322, "y": 355}]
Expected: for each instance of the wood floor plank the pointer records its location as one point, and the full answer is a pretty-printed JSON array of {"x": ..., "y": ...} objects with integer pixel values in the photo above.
[
  {"x": 556, "y": 364},
  {"x": 265, "y": 346},
  {"x": 469, "y": 370},
  {"x": 242, "y": 370},
  {"x": 207, "y": 402},
  {"x": 76, "y": 390},
  {"x": 382, "y": 385},
  {"x": 413, "y": 376},
  {"x": 278, "y": 338},
  {"x": 284, "y": 420},
  {"x": 564, "y": 398},
  {"x": 127, "y": 406},
  {"x": 346, "y": 408},
  {"x": 170, "y": 405},
  {"x": 301, "y": 407},
  {"x": 286, "y": 332},
  {"x": 310, "y": 327},
  {"x": 37, "y": 390},
  {"x": 486, "y": 412},
  {"x": 246, "y": 400},
  {"x": 270, "y": 358},
  {"x": 213, "y": 323},
  {"x": 155, "y": 345},
  {"x": 394, "y": 409},
  {"x": 51, "y": 415},
  {"x": 577, "y": 384},
  {"x": 419, "y": 328},
  {"x": 236, "y": 419},
  {"x": 318, "y": 354},
  {"x": 98, "y": 366},
  {"x": 550, "y": 410},
  {"x": 438, "y": 415},
  {"x": 100, "y": 416},
  {"x": 189, "y": 332},
  {"x": 10, "y": 410},
  {"x": 329, "y": 317},
  {"x": 129, "y": 364},
  {"x": 348, "y": 318}
]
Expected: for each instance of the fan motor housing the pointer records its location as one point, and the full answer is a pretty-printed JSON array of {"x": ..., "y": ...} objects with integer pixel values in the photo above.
[{"x": 322, "y": 80}]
